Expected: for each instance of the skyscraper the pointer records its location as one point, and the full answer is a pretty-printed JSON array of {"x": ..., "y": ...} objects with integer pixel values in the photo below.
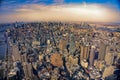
[
  {"x": 72, "y": 44},
  {"x": 43, "y": 40},
  {"x": 85, "y": 50},
  {"x": 28, "y": 71},
  {"x": 62, "y": 44},
  {"x": 109, "y": 57},
  {"x": 102, "y": 51},
  {"x": 81, "y": 52},
  {"x": 92, "y": 55},
  {"x": 15, "y": 53},
  {"x": 23, "y": 57}
]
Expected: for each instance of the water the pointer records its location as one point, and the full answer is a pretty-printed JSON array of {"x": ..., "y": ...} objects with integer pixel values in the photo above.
[{"x": 3, "y": 46}]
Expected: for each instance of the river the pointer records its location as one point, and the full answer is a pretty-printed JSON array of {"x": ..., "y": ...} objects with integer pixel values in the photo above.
[{"x": 3, "y": 46}]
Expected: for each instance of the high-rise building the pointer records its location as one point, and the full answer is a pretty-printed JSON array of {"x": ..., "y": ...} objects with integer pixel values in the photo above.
[
  {"x": 15, "y": 53},
  {"x": 102, "y": 51},
  {"x": 27, "y": 67},
  {"x": 109, "y": 58},
  {"x": 43, "y": 40},
  {"x": 81, "y": 52},
  {"x": 84, "y": 52},
  {"x": 23, "y": 57},
  {"x": 72, "y": 44},
  {"x": 62, "y": 44},
  {"x": 108, "y": 71},
  {"x": 92, "y": 56}
]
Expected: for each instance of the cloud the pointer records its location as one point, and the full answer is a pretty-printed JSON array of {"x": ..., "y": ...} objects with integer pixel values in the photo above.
[
  {"x": 58, "y": 1},
  {"x": 36, "y": 1},
  {"x": 65, "y": 12}
]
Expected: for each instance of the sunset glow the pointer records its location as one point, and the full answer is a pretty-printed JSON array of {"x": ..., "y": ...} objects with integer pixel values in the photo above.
[{"x": 62, "y": 12}]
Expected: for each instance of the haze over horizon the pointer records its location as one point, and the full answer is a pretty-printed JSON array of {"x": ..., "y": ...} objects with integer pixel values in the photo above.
[{"x": 59, "y": 10}]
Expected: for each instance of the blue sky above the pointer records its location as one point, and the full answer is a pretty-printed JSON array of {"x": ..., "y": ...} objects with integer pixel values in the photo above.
[
  {"x": 8, "y": 7},
  {"x": 49, "y": 2},
  {"x": 66, "y": 1}
]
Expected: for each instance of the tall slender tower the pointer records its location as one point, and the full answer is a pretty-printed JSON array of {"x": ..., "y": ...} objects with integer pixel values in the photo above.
[
  {"x": 84, "y": 52},
  {"x": 72, "y": 44},
  {"x": 102, "y": 51},
  {"x": 81, "y": 52},
  {"x": 92, "y": 56}
]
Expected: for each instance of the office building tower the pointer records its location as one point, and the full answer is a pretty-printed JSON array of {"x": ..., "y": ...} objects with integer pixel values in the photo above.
[
  {"x": 23, "y": 57},
  {"x": 72, "y": 44},
  {"x": 27, "y": 67},
  {"x": 102, "y": 51},
  {"x": 109, "y": 70},
  {"x": 81, "y": 52},
  {"x": 15, "y": 53},
  {"x": 62, "y": 44},
  {"x": 92, "y": 55},
  {"x": 109, "y": 58},
  {"x": 84, "y": 52},
  {"x": 43, "y": 40}
]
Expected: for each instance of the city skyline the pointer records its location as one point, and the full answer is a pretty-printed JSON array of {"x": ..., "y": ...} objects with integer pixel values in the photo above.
[
  {"x": 59, "y": 51},
  {"x": 59, "y": 10},
  {"x": 59, "y": 39}
]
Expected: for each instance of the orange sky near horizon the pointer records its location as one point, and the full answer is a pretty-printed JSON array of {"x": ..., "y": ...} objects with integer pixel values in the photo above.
[{"x": 69, "y": 12}]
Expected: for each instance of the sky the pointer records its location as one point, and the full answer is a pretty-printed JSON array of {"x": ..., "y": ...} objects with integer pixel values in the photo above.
[{"x": 59, "y": 10}]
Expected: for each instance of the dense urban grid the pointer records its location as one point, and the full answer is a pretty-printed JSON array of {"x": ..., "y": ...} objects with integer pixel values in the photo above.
[{"x": 61, "y": 51}]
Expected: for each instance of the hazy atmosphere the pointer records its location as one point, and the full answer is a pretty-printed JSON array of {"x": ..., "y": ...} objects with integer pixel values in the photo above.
[{"x": 59, "y": 10}]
